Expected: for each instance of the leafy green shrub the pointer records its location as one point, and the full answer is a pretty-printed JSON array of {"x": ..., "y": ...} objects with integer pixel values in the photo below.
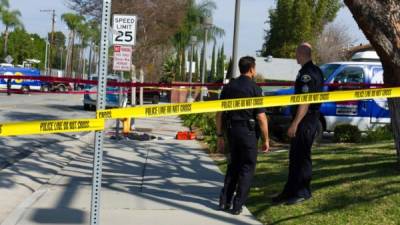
[
  {"x": 379, "y": 134},
  {"x": 347, "y": 133},
  {"x": 206, "y": 123}
]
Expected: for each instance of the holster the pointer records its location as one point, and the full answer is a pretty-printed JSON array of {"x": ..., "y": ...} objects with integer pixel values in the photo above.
[{"x": 254, "y": 126}]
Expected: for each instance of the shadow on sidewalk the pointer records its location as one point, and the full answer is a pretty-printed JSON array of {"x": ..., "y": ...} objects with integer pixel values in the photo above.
[{"x": 174, "y": 175}]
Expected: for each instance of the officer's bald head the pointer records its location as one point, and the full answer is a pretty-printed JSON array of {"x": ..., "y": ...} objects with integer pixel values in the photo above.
[{"x": 304, "y": 53}]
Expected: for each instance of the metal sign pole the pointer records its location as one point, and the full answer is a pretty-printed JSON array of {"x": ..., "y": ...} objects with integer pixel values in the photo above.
[
  {"x": 141, "y": 87},
  {"x": 101, "y": 102},
  {"x": 133, "y": 95},
  {"x": 120, "y": 104}
]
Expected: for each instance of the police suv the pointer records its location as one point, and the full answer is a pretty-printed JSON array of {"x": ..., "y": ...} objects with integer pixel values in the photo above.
[{"x": 365, "y": 114}]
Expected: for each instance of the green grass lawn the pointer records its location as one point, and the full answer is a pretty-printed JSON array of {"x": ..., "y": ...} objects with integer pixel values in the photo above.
[{"x": 352, "y": 184}]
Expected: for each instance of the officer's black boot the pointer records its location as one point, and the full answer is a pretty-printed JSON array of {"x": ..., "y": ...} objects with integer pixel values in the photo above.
[
  {"x": 223, "y": 204},
  {"x": 237, "y": 206},
  {"x": 223, "y": 207},
  {"x": 236, "y": 210}
]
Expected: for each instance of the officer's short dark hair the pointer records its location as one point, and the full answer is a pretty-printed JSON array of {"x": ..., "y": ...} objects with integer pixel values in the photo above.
[{"x": 246, "y": 63}]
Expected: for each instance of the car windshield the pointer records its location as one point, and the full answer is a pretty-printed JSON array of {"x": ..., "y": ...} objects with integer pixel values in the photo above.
[{"x": 328, "y": 69}]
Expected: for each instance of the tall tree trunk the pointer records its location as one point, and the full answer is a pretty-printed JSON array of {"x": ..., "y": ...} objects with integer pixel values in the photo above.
[
  {"x": 197, "y": 72},
  {"x": 66, "y": 66},
  {"x": 81, "y": 62},
  {"x": 201, "y": 62},
  {"x": 72, "y": 55},
  {"x": 68, "y": 57},
  {"x": 178, "y": 66},
  {"x": 394, "y": 105},
  {"x": 380, "y": 22},
  {"x": 5, "y": 41},
  {"x": 183, "y": 65}
]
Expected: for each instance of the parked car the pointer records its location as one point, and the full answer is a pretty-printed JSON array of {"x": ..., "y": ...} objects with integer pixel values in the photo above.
[
  {"x": 150, "y": 95},
  {"x": 90, "y": 98},
  {"x": 365, "y": 114},
  {"x": 113, "y": 96}
]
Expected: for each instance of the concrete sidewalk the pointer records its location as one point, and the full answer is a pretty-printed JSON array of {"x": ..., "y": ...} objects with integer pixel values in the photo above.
[{"x": 144, "y": 182}]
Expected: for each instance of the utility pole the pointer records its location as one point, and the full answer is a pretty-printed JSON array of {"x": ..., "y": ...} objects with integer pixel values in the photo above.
[
  {"x": 53, "y": 22},
  {"x": 46, "y": 57},
  {"x": 236, "y": 40}
]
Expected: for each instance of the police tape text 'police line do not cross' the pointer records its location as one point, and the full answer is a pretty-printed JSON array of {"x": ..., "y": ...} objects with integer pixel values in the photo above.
[{"x": 78, "y": 125}]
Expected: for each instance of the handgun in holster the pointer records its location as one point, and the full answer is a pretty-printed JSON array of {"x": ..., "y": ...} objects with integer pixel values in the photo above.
[
  {"x": 254, "y": 126},
  {"x": 251, "y": 124}
]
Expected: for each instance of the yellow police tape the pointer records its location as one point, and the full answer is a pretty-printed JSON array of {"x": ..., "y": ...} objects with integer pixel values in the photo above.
[
  {"x": 246, "y": 103},
  {"x": 51, "y": 126},
  {"x": 79, "y": 125}
]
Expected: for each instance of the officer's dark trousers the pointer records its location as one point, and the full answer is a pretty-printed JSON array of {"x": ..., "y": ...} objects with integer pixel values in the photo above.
[
  {"x": 243, "y": 158},
  {"x": 300, "y": 165}
]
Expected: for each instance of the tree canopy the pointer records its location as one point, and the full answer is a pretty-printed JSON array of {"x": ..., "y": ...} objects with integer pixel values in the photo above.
[
  {"x": 292, "y": 22},
  {"x": 10, "y": 19},
  {"x": 23, "y": 45}
]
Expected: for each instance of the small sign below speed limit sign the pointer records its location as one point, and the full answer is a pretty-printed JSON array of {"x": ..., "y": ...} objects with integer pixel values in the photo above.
[{"x": 124, "y": 29}]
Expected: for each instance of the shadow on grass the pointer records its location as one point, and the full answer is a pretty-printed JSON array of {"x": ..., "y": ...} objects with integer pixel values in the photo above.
[
  {"x": 369, "y": 170},
  {"x": 336, "y": 202}
]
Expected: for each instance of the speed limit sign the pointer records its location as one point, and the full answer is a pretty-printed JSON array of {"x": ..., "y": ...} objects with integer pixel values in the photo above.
[{"x": 124, "y": 27}]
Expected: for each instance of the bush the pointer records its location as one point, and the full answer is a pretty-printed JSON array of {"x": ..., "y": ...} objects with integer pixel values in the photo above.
[
  {"x": 347, "y": 133},
  {"x": 206, "y": 123},
  {"x": 379, "y": 134}
]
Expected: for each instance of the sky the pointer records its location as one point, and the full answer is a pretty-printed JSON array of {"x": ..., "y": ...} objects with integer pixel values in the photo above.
[{"x": 252, "y": 25}]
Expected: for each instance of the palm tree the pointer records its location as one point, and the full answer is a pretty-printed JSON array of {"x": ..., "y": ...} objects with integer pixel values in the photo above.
[
  {"x": 169, "y": 70},
  {"x": 10, "y": 19},
  {"x": 73, "y": 21},
  {"x": 192, "y": 25},
  {"x": 94, "y": 34},
  {"x": 4, "y": 4},
  {"x": 84, "y": 33}
]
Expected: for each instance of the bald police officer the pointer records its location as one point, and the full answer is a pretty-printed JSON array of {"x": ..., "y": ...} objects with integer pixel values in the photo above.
[
  {"x": 242, "y": 128},
  {"x": 302, "y": 131}
]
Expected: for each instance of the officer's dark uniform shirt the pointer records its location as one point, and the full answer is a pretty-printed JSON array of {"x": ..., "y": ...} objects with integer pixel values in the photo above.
[
  {"x": 310, "y": 79},
  {"x": 242, "y": 87}
]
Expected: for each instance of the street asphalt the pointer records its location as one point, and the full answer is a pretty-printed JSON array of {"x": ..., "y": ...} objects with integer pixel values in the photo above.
[{"x": 20, "y": 108}]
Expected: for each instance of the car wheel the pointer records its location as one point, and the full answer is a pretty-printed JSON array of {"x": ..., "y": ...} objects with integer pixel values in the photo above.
[
  {"x": 156, "y": 99},
  {"x": 61, "y": 88},
  {"x": 45, "y": 88}
]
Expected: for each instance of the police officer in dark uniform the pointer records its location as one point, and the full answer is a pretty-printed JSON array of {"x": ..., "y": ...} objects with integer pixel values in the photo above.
[
  {"x": 302, "y": 131},
  {"x": 243, "y": 129}
]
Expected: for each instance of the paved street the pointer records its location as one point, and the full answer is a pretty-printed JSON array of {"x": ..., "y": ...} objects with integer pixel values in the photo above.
[
  {"x": 36, "y": 107},
  {"x": 163, "y": 181},
  {"x": 34, "y": 159},
  {"x": 41, "y": 106}
]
